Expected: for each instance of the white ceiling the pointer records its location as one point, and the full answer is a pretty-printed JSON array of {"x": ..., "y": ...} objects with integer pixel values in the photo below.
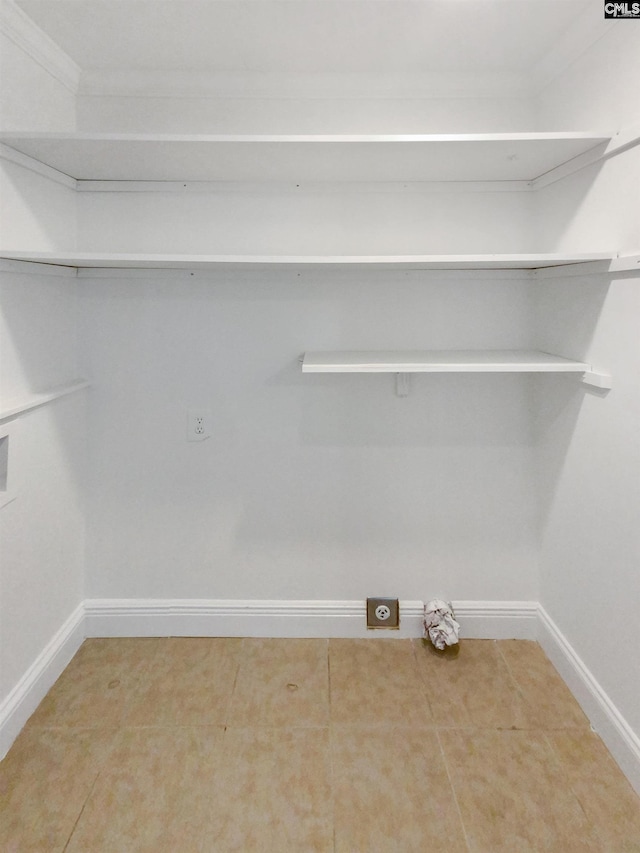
[{"x": 309, "y": 36}]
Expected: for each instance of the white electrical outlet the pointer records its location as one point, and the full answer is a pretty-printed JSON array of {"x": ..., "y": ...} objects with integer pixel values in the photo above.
[
  {"x": 198, "y": 425},
  {"x": 382, "y": 612}
]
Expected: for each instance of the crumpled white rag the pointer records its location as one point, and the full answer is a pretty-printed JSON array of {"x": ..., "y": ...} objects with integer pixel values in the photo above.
[{"x": 439, "y": 624}]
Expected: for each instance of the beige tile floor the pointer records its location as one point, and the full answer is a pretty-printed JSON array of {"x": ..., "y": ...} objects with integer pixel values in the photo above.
[{"x": 355, "y": 746}]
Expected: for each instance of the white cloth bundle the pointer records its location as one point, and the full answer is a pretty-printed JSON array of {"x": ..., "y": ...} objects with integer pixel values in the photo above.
[{"x": 439, "y": 624}]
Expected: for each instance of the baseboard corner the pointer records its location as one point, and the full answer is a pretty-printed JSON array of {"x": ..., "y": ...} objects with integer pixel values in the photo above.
[
  {"x": 606, "y": 720},
  {"x": 27, "y": 694}
]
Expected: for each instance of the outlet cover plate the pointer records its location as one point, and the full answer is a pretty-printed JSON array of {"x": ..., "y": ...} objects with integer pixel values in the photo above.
[
  {"x": 377, "y": 609},
  {"x": 198, "y": 424}
]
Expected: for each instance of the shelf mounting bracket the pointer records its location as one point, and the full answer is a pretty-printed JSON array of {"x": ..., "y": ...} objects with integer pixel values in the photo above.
[
  {"x": 403, "y": 384},
  {"x": 597, "y": 379}
]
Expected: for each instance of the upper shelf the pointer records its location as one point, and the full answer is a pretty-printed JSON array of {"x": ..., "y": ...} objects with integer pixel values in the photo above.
[
  {"x": 286, "y": 157},
  {"x": 102, "y": 260}
]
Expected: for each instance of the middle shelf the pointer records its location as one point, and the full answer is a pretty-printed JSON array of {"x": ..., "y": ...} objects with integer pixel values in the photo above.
[
  {"x": 441, "y": 361},
  {"x": 299, "y": 263}
]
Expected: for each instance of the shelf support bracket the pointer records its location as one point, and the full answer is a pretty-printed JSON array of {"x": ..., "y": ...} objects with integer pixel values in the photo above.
[
  {"x": 597, "y": 379},
  {"x": 403, "y": 384}
]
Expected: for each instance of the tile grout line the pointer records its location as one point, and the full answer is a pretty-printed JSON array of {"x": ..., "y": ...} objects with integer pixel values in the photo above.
[
  {"x": 512, "y": 677},
  {"x": 568, "y": 780},
  {"x": 331, "y": 767},
  {"x": 133, "y": 695},
  {"x": 81, "y": 812},
  {"x": 233, "y": 686},
  {"x": 520, "y": 692},
  {"x": 421, "y": 680},
  {"x": 529, "y": 723},
  {"x": 453, "y": 791}
]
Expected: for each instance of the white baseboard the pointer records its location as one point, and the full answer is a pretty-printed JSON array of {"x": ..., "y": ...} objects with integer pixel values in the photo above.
[
  {"x": 38, "y": 679},
  {"x": 237, "y": 618},
  {"x": 497, "y": 620},
  {"x": 605, "y": 718}
]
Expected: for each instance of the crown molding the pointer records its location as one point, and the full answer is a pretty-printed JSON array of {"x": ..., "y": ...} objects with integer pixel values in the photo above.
[{"x": 22, "y": 31}]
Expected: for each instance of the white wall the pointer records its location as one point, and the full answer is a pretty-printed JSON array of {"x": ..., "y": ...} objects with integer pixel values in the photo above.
[
  {"x": 596, "y": 91},
  {"x": 306, "y": 221},
  {"x": 589, "y": 444},
  {"x": 42, "y": 530},
  {"x": 311, "y": 487},
  {"x": 37, "y": 213},
  {"x": 593, "y": 210},
  {"x": 589, "y": 459},
  {"x": 293, "y": 105}
]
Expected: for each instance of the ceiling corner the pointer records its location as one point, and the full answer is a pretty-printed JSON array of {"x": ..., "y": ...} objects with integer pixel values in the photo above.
[{"x": 584, "y": 32}]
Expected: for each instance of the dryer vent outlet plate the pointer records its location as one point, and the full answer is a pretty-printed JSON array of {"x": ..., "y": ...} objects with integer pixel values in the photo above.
[{"x": 383, "y": 613}]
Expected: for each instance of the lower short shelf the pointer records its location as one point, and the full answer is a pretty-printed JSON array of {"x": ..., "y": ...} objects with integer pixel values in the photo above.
[
  {"x": 450, "y": 361},
  {"x": 441, "y": 361}
]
